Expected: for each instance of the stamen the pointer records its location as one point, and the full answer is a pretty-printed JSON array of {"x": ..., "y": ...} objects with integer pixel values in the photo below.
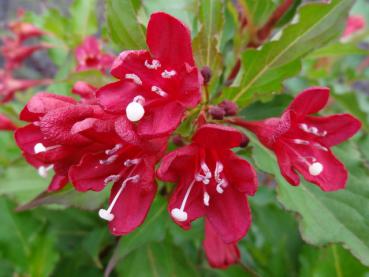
[
  {"x": 129, "y": 162},
  {"x": 204, "y": 178},
  {"x": 109, "y": 160},
  {"x": 111, "y": 178},
  {"x": 114, "y": 150},
  {"x": 135, "y": 110},
  {"x": 221, "y": 183},
  {"x": 159, "y": 91},
  {"x": 179, "y": 214},
  {"x": 206, "y": 198},
  {"x": 155, "y": 64},
  {"x": 320, "y": 147},
  {"x": 40, "y": 148},
  {"x": 106, "y": 214},
  {"x": 134, "y": 78},
  {"x": 301, "y": 141},
  {"x": 43, "y": 170},
  {"x": 312, "y": 130},
  {"x": 168, "y": 74}
]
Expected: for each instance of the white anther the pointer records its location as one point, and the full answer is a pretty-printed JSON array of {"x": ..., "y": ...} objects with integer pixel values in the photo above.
[
  {"x": 221, "y": 183},
  {"x": 109, "y": 160},
  {"x": 129, "y": 162},
  {"x": 206, "y": 198},
  {"x": 135, "y": 110},
  {"x": 219, "y": 188},
  {"x": 159, "y": 91},
  {"x": 312, "y": 130},
  {"x": 155, "y": 64},
  {"x": 114, "y": 150},
  {"x": 179, "y": 215},
  {"x": 107, "y": 214},
  {"x": 39, "y": 148},
  {"x": 316, "y": 168},
  {"x": 111, "y": 178},
  {"x": 134, "y": 78},
  {"x": 43, "y": 170},
  {"x": 207, "y": 174},
  {"x": 320, "y": 147},
  {"x": 168, "y": 74},
  {"x": 301, "y": 141}
]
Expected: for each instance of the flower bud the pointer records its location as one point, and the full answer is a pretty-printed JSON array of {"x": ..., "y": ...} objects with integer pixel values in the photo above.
[
  {"x": 229, "y": 107},
  {"x": 178, "y": 140},
  {"x": 217, "y": 112},
  {"x": 245, "y": 141},
  {"x": 206, "y": 74}
]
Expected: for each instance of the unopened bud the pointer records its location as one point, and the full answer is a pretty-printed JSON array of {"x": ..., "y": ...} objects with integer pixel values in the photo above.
[
  {"x": 229, "y": 107},
  {"x": 217, "y": 112},
  {"x": 245, "y": 141},
  {"x": 206, "y": 74},
  {"x": 178, "y": 140}
]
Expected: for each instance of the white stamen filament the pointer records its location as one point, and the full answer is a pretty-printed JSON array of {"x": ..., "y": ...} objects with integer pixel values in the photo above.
[
  {"x": 312, "y": 130},
  {"x": 155, "y": 64},
  {"x": 134, "y": 78},
  {"x": 111, "y": 178},
  {"x": 135, "y": 110},
  {"x": 109, "y": 160},
  {"x": 315, "y": 168},
  {"x": 106, "y": 214},
  {"x": 129, "y": 162},
  {"x": 168, "y": 74},
  {"x": 320, "y": 147},
  {"x": 179, "y": 214},
  {"x": 206, "y": 198},
  {"x": 159, "y": 91},
  {"x": 114, "y": 150},
  {"x": 40, "y": 148},
  {"x": 43, "y": 170}
]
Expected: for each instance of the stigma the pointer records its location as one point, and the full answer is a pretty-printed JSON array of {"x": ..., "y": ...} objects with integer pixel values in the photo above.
[{"x": 135, "y": 110}]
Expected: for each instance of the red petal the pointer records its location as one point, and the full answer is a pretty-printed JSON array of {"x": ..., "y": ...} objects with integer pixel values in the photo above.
[
  {"x": 240, "y": 174},
  {"x": 173, "y": 164},
  {"x": 6, "y": 124},
  {"x": 339, "y": 127},
  {"x": 116, "y": 96},
  {"x": 43, "y": 102},
  {"x": 229, "y": 214},
  {"x": 131, "y": 207},
  {"x": 218, "y": 253},
  {"x": 169, "y": 40},
  {"x": 131, "y": 61},
  {"x": 310, "y": 101},
  {"x": 161, "y": 120},
  {"x": 126, "y": 131},
  {"x": 217, "y": 136},
  {"x": 27, "y": 137},
  {"x": 286, "y": 166}
]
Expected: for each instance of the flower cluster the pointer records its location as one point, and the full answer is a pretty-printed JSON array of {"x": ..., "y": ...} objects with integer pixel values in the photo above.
[{"x": 118, "y": 133}]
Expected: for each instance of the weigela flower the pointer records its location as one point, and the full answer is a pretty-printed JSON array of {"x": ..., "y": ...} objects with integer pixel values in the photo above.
[
  {"x": 354, "y": 24},
  {"x": 9, "y": 86},
  {"x": 86, "y": 91},
  {"x": 131, "y": 170},
  {"x": 52, "y": 140},
  {"x": 218, "y": 253},
  {"x": 90, "y": 56},
  {"x": 6, "y": 124},
  {"x": 302, "y": 142},
  {"x": 24, "y": 30},
  {"x": 211, "y": 181},
  {"x": 155, "y": 86}
]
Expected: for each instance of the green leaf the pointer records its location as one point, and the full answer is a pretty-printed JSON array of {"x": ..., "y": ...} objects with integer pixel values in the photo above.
[
  {"x": 84, "y": 18},
  {"x": 327, "y": 217},
  {"x": 330, "y": 261},
  {"x": 339, "y": 49},
  {"x": 206, "y": 43},
  {"x": 263, "y": 70},
  {"x": 157, "y": 259},
  {"x": 123, "y": 26},
  {"x": 260, "y": 10}
]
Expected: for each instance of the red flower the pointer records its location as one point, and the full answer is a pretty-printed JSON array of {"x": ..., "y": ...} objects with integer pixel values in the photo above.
[
  {"x": 53, "y": 140},
  {"x": 218, "y": 253},
  {"x": 6, "y": 124},
  {"x": 155, "y": 86},
  {"x": 212, "y": 182},
  {"x": 9, "y": 86},
  {"x": 354, "y": 24},
  {"x": 86, "y": 91},
  {"x": 90, "y": 56},
  {"x": 130, "y": 169},
  {"x": 24, "y": 30},
  {"x": 302, "y": 142}
]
